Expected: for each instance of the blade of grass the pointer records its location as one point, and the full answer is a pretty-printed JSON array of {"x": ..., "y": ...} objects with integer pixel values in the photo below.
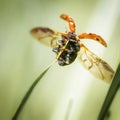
[
  {"x": 110, "y": 95},
  {"x": 28, "y": 93}
]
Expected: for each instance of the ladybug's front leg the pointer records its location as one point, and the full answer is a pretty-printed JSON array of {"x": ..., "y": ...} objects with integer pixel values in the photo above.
[{"x": 93, "y": 37}]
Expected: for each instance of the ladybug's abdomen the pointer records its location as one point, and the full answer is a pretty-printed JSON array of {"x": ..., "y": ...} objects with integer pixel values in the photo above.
[
  {"x": 68, "y": 55},
  {"x": 67, "y": 49},
  {"x": 66, "y": 59}
]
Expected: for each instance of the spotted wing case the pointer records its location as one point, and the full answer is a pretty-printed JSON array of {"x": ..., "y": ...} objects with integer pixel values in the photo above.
[{"x": 98, "y": 67}]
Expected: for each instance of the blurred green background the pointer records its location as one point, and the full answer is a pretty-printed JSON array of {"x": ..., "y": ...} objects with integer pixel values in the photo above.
[{"x": 22, "y": 59}]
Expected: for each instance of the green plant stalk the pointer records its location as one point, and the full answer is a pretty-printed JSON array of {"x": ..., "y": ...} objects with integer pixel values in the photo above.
[
  {"x": 28, "y": 93},
  {"x": 110, "y": 95}
]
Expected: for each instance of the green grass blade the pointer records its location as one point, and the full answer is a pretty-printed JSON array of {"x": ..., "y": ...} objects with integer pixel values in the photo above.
[
  {"x": 110, "y": 95},
  {"x": 28, "y": 93}
]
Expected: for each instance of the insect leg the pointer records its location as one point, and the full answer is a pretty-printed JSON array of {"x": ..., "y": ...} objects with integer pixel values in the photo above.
[
  {"x": 70, "y": 21},
  {"x": 93, "y": 37},
  {"x": 53, "y": 41}
]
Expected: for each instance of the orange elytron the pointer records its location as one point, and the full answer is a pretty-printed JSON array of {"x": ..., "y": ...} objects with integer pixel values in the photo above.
[{"x": 68, "y": 46}]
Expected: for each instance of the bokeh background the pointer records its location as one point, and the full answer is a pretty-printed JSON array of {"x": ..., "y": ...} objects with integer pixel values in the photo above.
[{"x": 65, "y": 93}]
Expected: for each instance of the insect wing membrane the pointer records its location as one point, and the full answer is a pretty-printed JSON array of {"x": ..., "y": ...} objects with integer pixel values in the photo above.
[
  {"x": 95, "y": 65},
  {"x": 45, "y": 35}
]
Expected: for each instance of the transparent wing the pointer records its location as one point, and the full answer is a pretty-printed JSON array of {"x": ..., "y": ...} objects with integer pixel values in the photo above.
[
  {"x": 98, "y": 67},
  {"x": 46, "y": 36}
]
